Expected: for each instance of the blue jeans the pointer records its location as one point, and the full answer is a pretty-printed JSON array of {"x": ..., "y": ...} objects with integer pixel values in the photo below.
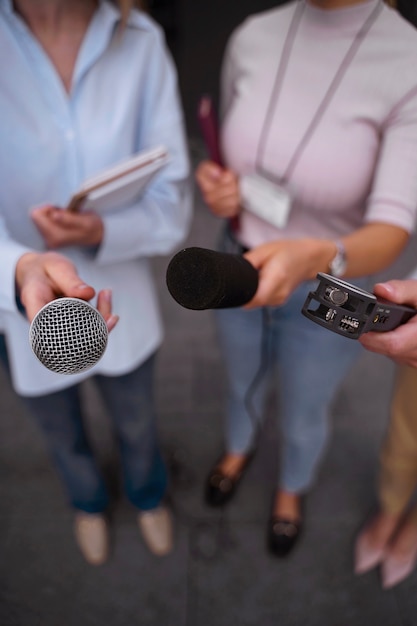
[
  {"x": 129, "y": 400},
  {"x": 308, "y": 363}
]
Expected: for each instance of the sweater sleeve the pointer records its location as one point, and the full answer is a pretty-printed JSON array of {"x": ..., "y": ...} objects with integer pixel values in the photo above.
[{"x": 393, "y": 199}]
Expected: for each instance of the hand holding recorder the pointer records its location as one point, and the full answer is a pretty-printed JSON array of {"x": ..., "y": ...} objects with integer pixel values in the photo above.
[
  {"x": 350, "y": 311},
  {"x": 400, "y": 344}
]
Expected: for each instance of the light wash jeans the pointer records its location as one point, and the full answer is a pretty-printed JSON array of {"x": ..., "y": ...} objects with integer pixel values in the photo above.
[
  {"x": 309, "y": 363},
  {"x": 129, "y": 400}
]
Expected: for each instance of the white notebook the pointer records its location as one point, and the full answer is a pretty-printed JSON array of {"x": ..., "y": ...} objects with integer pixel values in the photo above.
[{"x": 120, "y": 184}]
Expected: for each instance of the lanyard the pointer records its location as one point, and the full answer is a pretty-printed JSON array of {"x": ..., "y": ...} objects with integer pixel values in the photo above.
[{"x": 279, "y": 80}]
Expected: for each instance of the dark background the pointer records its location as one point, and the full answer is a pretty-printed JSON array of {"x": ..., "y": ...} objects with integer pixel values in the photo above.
[{"x": 198, "y": 47}]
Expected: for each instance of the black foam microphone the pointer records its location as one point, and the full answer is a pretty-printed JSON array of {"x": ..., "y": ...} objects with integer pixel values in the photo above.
[{"x": 198, "y": 278}]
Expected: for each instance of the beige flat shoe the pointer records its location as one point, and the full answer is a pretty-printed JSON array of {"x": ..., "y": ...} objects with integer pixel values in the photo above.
[
  {"x": 92, "y": 536},
  {"x": 157, "y": 531}
]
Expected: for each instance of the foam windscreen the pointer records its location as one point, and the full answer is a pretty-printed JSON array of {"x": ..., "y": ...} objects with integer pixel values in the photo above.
[
  {"x": 199, "y": 278},
  {"x": 68, "y": 335}
]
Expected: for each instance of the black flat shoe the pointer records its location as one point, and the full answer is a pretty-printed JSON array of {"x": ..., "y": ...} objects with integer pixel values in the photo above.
[
  {"x": 283, "y": 534},
  {"x": 220, "y": 488}
]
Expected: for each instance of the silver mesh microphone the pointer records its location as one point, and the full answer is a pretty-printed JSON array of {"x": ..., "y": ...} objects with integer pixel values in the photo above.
[{"x": 68, "y": 335}]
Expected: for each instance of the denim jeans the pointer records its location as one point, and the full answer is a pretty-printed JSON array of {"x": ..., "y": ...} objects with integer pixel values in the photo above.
[
  {"x": 308, "y": 363},
  {"x": 129, "y": 400}
]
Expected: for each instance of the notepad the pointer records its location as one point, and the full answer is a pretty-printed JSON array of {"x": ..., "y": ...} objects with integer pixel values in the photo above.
[{"x": 120, "y": 184}]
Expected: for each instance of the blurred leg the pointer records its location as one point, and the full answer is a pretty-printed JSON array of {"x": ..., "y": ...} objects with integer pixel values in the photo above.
[
  {"x": 59, "y": 417},
  {"x": 387, "y": 537},
  {"x": 130, "y": 401},
  {"x": 398, "y": 469},
  {"x": 244, "y": 337},
  {"x": 313, "y": 362}
]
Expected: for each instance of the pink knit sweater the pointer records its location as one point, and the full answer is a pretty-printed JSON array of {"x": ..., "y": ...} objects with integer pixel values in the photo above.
[{"x": 360, "y": 162}]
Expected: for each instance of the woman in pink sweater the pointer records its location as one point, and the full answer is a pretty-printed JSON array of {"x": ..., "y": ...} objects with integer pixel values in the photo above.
[{"x": 319, "y": 137}]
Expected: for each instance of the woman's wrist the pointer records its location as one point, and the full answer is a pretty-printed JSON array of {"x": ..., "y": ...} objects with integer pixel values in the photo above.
[{"x": 321, "y": 253}]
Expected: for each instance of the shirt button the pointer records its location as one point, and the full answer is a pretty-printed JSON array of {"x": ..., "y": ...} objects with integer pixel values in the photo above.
[{"x": 69, "y": 135}]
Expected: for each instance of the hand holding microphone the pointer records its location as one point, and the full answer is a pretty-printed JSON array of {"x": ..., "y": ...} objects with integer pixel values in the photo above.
[
  {"x": 198, "y": 278},
  {"x": 67, "y": 334}
]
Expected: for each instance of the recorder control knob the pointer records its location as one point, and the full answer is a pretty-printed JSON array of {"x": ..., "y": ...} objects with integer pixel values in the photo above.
[{"x": 337, "y": 296}]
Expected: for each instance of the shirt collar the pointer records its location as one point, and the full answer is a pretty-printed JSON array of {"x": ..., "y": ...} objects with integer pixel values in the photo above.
[{"x": 110, "y": 11}]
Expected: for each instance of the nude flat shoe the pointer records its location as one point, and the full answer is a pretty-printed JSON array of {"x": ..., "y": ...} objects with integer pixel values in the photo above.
[
  {"x": 156, "y": 526},
  {"x": 92, "y": 536}
]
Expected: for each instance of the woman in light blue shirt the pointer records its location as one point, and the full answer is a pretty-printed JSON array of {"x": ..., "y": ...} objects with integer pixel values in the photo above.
[{"x": 87, "y": 84}]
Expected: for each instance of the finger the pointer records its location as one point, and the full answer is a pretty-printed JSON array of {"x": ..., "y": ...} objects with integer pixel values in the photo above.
[
  {"x": 228, "y": 177},
  {"x": 65, "y": 279},
  {"x": 104, "y": 306},
  {"x": 399, "y": 291},
  {"x": 210, "y": 169},
  {"x": 258, "y": 256},
  {"x": 271, "y": 289},
  {"x": 42, "y": 213},
  {"x": 42, "y": 209},
  {"x": 104, "y": 302},
  {"x": 225, "y": 205},
  {"x": 70, "y": 219},
  {"x": 111, "y": 322},
  {"x": 398, "y": 343},
  {"x": 208, "y": 173},
  {"x": 372, "y": 342}
]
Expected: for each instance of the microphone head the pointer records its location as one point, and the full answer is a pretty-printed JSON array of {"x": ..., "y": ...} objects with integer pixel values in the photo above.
[
  {"x": 68, "y": 335},
  {"x": 198, "y": 278}
]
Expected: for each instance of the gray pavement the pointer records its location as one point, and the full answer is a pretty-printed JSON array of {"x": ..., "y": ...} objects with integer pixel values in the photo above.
[{"x": 220, "y": 572}]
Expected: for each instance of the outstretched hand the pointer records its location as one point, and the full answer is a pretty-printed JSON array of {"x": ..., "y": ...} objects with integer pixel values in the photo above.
[
  {"x": 399, "y": 344},
  {"x": 42, "y": 277}
]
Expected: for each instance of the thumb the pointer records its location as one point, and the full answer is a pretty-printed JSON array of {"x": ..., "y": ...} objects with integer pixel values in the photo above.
[
  {"x": 65, "y": 279},
  {"x": 398, "y": 291}
]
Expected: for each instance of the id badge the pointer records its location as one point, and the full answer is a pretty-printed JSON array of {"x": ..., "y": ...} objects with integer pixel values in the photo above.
[{"x": 268, "y": 200}]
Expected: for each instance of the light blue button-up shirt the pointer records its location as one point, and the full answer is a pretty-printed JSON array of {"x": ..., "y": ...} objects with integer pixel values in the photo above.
[{"x": 124, "y": 98}]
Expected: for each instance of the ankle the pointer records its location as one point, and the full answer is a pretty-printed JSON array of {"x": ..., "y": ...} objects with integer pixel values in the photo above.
[
  {"x": 232, "y": 463},
  {"x": 405, "y": 539},
  {"x": 382, "y": 526},
  {"x": 287, "y": 505}
]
